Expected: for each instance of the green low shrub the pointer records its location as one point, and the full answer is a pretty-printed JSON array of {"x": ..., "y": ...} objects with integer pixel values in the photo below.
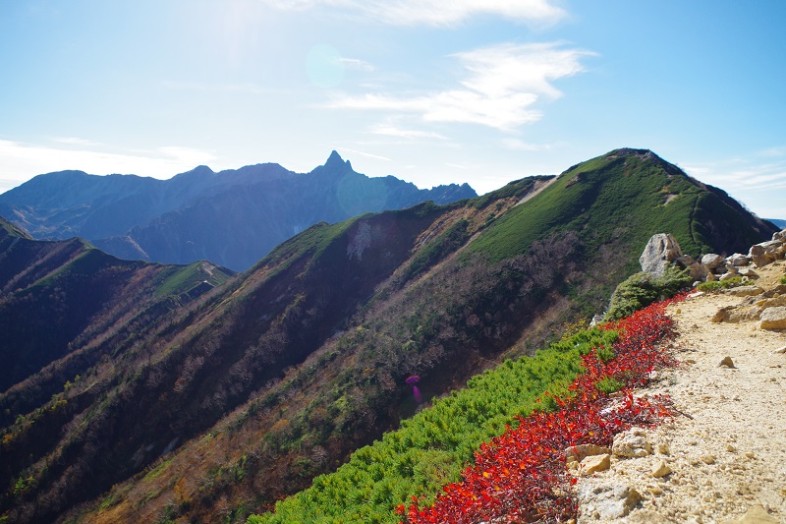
[
  {"x": 719, "y": 285},
  {"x": 641, "y": 289}
]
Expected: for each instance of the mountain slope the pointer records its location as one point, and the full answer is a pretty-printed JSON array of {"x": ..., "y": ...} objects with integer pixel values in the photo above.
[
  {"x": 232, "y": 218},
  {"x": 55, "y": 293},
  {"x": 246, "y": 393}
]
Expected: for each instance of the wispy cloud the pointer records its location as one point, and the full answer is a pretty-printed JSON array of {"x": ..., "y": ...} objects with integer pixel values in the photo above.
[
  {"x": 745, "y": 174},
  {"x": 75, "y": 141},
  {"x": 500, "y": 88},
  {"x": 21, "y": 161},
  {"x": 436, "y": 12},
  {"x": 356, "y": 64},
  {"x": 388, "y": 129},
  {"x": 749, "y": 180},
  {"x": 366, "y": 154}
]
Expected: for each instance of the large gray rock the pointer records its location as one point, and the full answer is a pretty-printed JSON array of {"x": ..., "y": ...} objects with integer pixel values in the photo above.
[
  {"x": 712, "y": 260},
  {"x": 737, "y": 260},
  {"x": 765, "y": 252},
  {"x": 661, "y": 250}
]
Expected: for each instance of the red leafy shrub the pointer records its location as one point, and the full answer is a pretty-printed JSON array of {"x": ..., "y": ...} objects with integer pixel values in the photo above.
[{"x": 520, "y": 476}]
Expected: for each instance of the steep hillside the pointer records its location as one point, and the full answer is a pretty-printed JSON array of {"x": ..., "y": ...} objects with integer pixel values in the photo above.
[
  {"x": 232, "y": 218},
  {"x": 244, "y": 395},
  {"x": 56, "y": 294}
]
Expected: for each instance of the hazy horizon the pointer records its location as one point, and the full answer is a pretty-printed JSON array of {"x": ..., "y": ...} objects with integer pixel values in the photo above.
[{"x": 477, "y": 92}]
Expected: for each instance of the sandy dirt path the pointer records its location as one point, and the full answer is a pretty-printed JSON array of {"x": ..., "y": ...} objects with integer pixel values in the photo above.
[{"x": 729, "y": 458}]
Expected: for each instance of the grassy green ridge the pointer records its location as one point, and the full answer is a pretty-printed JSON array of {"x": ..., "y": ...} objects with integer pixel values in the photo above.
[
  {"x": 611, "y": 196},
  {"x": 182, "y": 279},
  {"x": 430, "y": 449},
  {"x": 11, "y": 230},
  {"x": 616, "y": 196}
]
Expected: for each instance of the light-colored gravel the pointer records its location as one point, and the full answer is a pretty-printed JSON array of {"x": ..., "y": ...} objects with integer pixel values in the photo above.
[{"x": 730, "y": 456}]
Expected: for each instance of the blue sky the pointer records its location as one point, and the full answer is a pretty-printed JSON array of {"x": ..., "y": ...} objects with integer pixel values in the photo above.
[{"x": 477, "y": 91}]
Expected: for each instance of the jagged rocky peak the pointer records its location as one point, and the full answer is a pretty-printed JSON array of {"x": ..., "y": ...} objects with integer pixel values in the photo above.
[{"x": 335, "y": 161}]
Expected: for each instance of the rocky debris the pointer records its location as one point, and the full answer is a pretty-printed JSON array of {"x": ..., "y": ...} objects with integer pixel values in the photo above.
[
  {"x": 631, "y": 443},
  {"x": 773, "y": 318},
  {"x": 712, "y": 261},
  {"x": 746, "y": 291},
  {"x": 747, "y": 271},
  {"x": 661, "y": 250},
  {"x": 579, "y": 452},
  {"x": 661, "y": 470},
  {"x": 594, "y": 464},
  {"x": 769, "y": 302},
  {"x": 607, "y": 500},
  {"x": 736, "y": 314},
  {"x": 737, "y": 260},
  {"x": 755, "y": 515},
  {"x": 727, "y": 362}
]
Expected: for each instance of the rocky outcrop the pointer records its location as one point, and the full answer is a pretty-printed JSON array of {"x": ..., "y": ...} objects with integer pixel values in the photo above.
[
  {"x": 773, "y": 318},
  {"x": 661, "y": 250},
  {"x": 607, "y": 501}
]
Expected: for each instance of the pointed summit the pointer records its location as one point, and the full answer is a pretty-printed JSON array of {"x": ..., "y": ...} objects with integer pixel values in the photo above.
[{"x": 335, "y": 161}]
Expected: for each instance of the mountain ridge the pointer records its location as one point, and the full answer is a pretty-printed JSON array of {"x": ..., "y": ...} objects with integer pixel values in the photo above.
[
  {"x": 232, "y": 217},
  {"x": 257, "y": 386}
]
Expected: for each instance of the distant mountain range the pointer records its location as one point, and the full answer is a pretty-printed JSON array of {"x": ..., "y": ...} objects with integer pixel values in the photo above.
[
  {"x": 147, "y": 393},
  {"x": 232, "y": 218},
  {"x": 778, "y": 222}
]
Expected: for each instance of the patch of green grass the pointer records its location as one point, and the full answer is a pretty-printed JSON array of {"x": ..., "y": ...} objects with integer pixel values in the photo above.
[
  {"x": 313, "y": 240},
  {"x": 517, "y": 188},
  {"x": 783, "y": 280},
  {"x": 608, "y": 385},
  {"x": 450, "y": 240},
  {"x": 719, "y": 285},
  {"x": 181, "y": 279},
  {"x": 158, "y": 470}
]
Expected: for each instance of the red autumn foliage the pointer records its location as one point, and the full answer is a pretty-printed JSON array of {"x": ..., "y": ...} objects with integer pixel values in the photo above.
[{"x": 520, "y": 476}]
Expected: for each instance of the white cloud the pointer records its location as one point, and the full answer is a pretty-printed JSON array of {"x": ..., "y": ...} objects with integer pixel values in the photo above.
[
  {"x": 356, "y": 64},
  {"x": 19, "y": 161},
  {"x": 760, "y": 185},
  {"x": 387, "y": 129},
  {"x": 749, "y": 175},
  {"x": 502, "y": 83},
  {"x": 75, "y": 141},
  {"x": 366, "y": 154},
  {"x": 435, "y": 12}
]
